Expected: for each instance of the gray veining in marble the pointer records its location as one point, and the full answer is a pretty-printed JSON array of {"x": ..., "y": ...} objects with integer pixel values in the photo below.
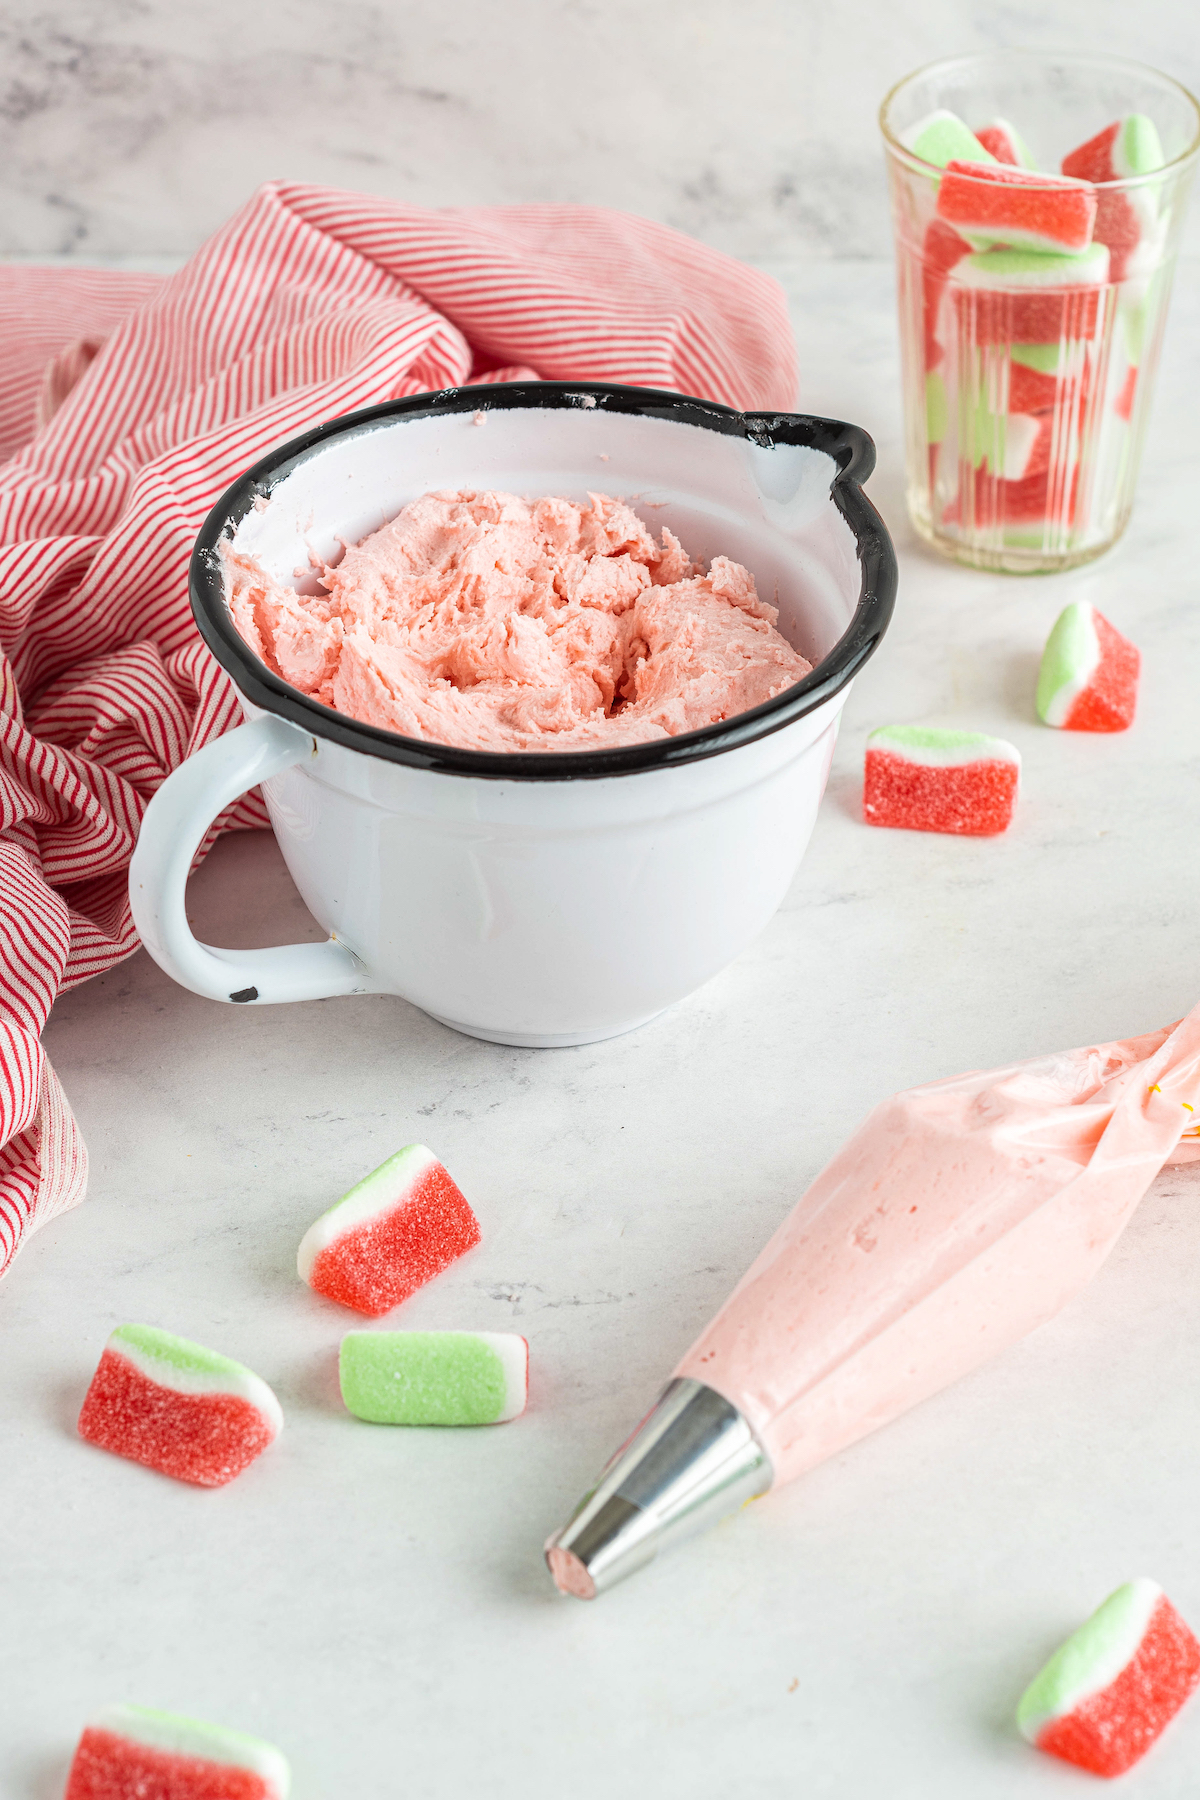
[
  {"x": 374, "y": 1600},
  {"x": 134, "y": 127}
]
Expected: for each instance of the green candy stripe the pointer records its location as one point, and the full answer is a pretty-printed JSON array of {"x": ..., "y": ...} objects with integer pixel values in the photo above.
[
  {"x": 1070, "y": 649},
  {"x": 1091, "y": 1659},
  {"x": 943, "y": 137},
  {"x": 1045, "y": 358},
  {"x": 177, "y": 1352},
  {"x": 976, "y": 744},
  {"x": 1141, "y": 151},
  {"x": 1032, "y": 269},
  {"x": 421, "y": 1378},
  {"x": 382, "y": 1182}
]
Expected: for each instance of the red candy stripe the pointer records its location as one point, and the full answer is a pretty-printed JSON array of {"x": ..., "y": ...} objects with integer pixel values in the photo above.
[
  {"x": 1031, "y": 391},
  {"x": 1117, "y": 223},
  {"x": 205, "y": 1438},
  {"x": 969, "y": 799},
  {"x": 1037, "y": 499},
  {"x": 1031, "y": 316},
  {"x": 109, "y": 1767},
  {"x": 377, "y": 1265},
  {"x": 1109, "y": 700},
  {"x": 940, "y": 251},
  {"x": 995, "y": 139},
  {"x": 1123, "y": 404},
  {"x": 1093, "y": 161}
]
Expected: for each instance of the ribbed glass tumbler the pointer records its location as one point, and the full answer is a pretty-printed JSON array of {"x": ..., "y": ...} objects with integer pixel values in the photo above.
[{"x": 1032, "y": 308}]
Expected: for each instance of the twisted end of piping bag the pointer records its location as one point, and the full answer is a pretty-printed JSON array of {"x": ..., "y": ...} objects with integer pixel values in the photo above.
[{"x": 691, "y": 1461}]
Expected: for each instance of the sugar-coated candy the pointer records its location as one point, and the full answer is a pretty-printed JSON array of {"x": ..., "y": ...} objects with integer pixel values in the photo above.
[
  {"x": 1106, "y": 1695},
  {"x": 1005, "y": 143},
  {"x": 1044, "y": 494},
  {"x": 1014, "y": 483},
  {"x": 922, "y": 779},
  {"x": 1129, "y": 147},
  {"x": 941, "y": 136},
  {"x": 134, "y": 1753},
  {"x": 1043, "y": 376},
  {"x": 1038, "y": 303},
  {"x": 1088, "y": 680},
  {"x": 177, "y": 1407},
  {"x": 434, "y": 1377},
  {"x": 1017, "y": 207},
  {"x": 1026, "y": 446},
  {"x": 941, "y": 250},
  {"x": 1014, "y": 445},
  {"x": 1030, "y": 297},
  {"x": 398, "y": 1228}
]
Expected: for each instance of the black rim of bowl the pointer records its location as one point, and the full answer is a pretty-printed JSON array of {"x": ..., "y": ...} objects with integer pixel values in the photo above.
[{"x": 849, "y": 446}]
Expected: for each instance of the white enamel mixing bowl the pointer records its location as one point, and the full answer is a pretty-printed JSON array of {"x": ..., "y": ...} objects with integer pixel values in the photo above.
[{"x": 539, "y": 898}]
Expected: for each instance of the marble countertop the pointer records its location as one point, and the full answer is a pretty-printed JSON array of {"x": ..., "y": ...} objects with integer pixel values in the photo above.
[
  {"x": 374, "y": 1601},
  {"x": 139, "y": 127}
]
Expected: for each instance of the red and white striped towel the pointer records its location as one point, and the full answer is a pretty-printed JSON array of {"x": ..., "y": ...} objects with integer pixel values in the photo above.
[{"x": 128, "y": 403}]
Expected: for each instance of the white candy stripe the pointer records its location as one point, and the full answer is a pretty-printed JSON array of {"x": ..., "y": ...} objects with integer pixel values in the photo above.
[
  {"x": 177, "y": 1736},
  {"x": 1016, "y": 142},
  {"x": 513, "y": 1352},
  {"x": 1021, "y": 434},
  {"x": 236, "y": 1380},
  {"x": 1139, "y": 1601},
  {"x": 1013, "y": 237},
  {"x": 1059, "y": 708},
  {"x": 375, "y": 1195}
]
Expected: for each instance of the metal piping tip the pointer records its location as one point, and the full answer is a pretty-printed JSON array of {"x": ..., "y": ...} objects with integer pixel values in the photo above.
[{"x": 691, "y": 1461}]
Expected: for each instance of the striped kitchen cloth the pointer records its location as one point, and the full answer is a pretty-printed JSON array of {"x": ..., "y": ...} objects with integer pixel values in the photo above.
[{"x": 128, "y": 403}]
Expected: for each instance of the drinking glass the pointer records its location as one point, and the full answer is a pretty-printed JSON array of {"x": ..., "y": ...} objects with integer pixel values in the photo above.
[{"x": 1028, "y": 374}]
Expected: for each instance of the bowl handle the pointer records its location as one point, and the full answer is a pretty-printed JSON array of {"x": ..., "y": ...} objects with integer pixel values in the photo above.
[{"x": 173, "y": 829}]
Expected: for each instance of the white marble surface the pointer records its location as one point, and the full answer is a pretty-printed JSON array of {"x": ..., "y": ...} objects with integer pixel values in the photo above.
[
  {"x": 374, "y": 1600},
  {"x": 134, "y": 127}
]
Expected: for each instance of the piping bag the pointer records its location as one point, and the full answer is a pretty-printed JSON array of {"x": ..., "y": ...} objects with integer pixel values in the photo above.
[{"x": 960, "y": 1216}]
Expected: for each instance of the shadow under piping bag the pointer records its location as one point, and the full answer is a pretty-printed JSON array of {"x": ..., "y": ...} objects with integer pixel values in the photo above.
[{"x": 960, "y": 1216}]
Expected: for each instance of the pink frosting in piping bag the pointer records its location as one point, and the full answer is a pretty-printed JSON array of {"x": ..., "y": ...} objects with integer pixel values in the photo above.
[{"x": 960, "y": 1216}]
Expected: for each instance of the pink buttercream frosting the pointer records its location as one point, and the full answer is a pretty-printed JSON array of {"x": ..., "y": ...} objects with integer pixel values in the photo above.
[
  {"x": 496, "y": 623},
  {"x": 959, "y": 1217}
]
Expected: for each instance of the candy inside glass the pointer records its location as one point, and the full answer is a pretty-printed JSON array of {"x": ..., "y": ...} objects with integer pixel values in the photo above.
[{"x": 1028, "y": 378}]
